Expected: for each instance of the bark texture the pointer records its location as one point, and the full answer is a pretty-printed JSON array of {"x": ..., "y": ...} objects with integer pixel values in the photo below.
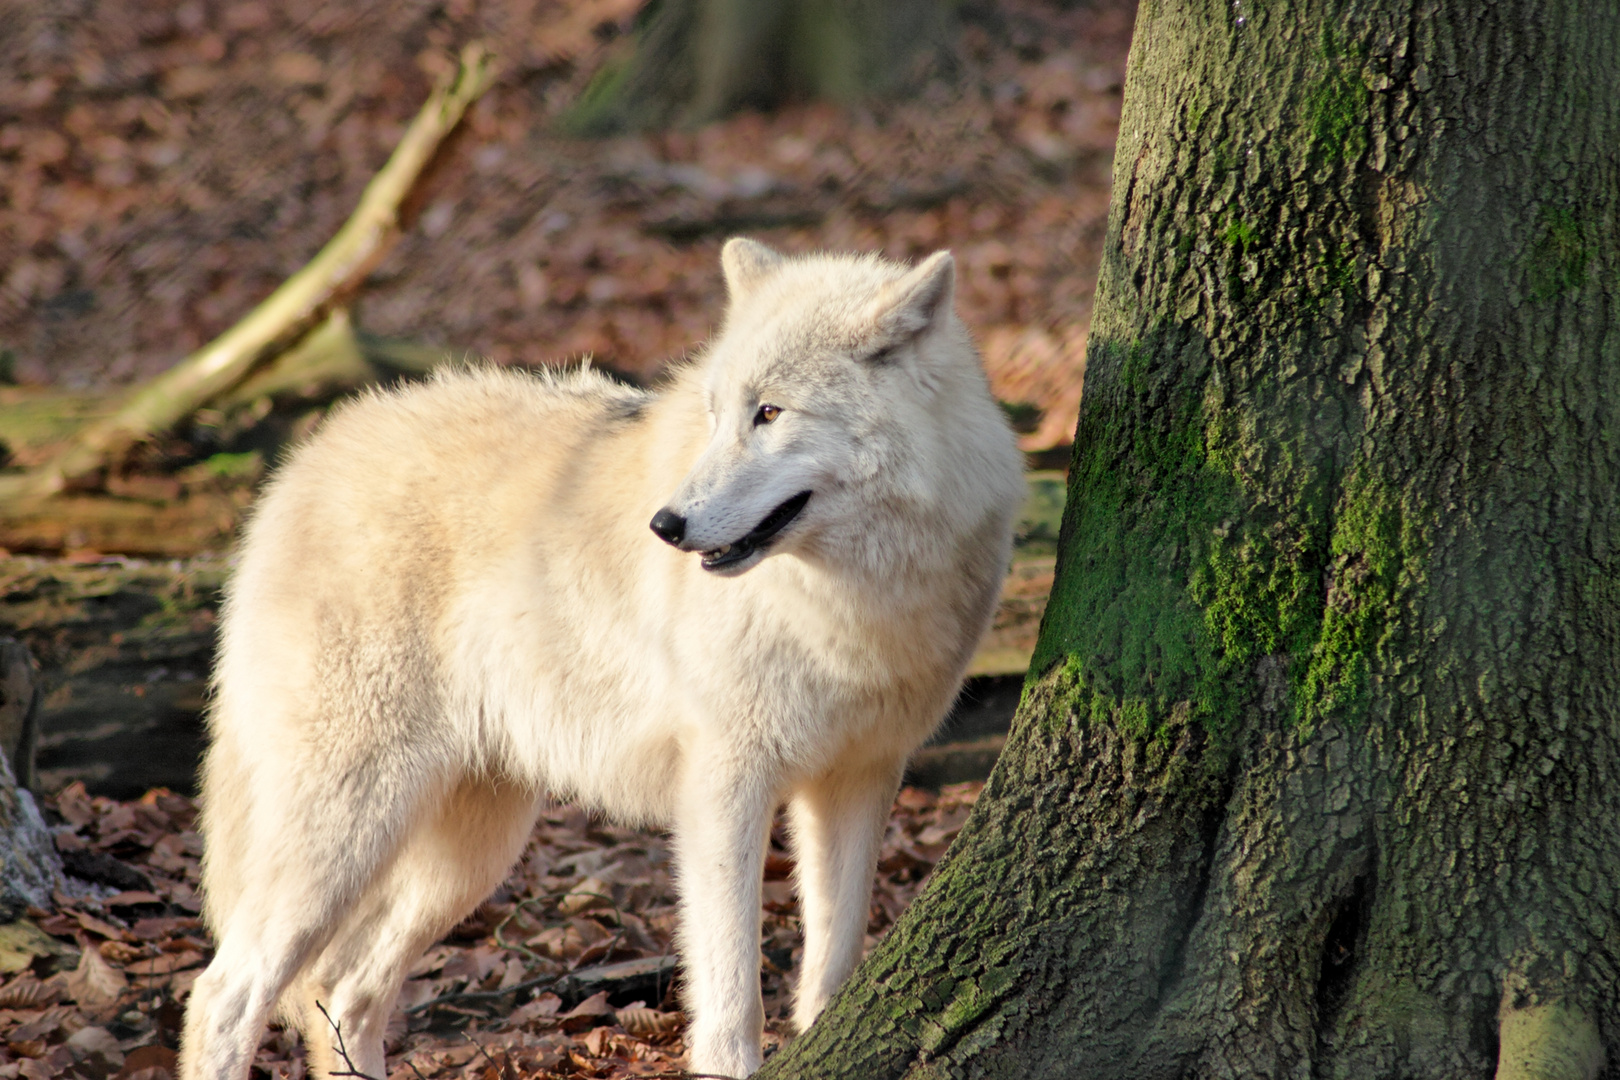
[{"x": 1317, "y": 771}]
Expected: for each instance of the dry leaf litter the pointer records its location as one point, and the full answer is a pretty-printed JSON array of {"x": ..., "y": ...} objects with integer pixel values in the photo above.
[
  {"x": 164, "y": 165},
  {"x": 509, "y": 993}
]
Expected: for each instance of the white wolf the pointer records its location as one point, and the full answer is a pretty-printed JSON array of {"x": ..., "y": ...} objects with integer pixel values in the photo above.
[{"x": 449, "y": 607}]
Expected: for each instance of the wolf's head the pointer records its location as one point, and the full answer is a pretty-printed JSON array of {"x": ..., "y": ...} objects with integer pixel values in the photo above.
[{"x": 840, "y": 388}]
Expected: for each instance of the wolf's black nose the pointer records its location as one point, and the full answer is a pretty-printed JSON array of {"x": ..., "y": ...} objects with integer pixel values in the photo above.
[{"x": 670, "y": 527}]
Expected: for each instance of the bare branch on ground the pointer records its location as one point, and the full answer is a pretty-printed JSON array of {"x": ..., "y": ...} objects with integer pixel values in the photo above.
[{"x": 323, "y": 282}]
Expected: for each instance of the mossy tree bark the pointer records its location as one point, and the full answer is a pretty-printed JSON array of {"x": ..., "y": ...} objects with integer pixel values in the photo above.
[
  {"x": 692, "y": 61},
  {"x": 1318, "y": 768}
]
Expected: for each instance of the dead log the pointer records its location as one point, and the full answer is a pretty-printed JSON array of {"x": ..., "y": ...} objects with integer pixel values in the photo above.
[{"x": 331, "y": 275}]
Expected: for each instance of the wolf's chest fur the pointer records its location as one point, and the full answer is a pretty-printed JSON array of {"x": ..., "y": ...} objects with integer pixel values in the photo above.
[{"x": 555, "y": 633}]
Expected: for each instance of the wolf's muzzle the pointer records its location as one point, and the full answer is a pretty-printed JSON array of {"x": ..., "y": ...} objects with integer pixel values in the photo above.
[{"x": 758, "y": 538}]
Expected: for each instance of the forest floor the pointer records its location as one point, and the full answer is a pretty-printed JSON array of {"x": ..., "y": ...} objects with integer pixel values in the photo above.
[
  {"x": 566, "y": 971},
  {"x": 163, "y": 166}
]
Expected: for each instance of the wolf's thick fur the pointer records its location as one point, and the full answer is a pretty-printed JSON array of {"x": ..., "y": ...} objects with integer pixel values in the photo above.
[{"x": 449, "y": 607}]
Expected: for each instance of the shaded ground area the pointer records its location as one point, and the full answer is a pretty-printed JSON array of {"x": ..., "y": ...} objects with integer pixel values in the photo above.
[
  {"x": 163, "y": 166},
  {"x": 125, "y": 648},
  {"x": 566, "y": 971}
]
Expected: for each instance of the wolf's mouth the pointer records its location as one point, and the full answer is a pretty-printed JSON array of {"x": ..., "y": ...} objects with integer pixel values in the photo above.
[{"x": 757, "y": 538}]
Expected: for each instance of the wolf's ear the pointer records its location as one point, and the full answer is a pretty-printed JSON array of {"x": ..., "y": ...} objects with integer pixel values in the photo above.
[
  {"x": 907, "y": 307},
  {"x": 746, "y": 263}
]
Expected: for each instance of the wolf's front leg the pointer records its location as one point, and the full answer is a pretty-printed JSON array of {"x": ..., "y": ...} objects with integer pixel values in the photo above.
[
  {"x": 838, "y": 823},
  {"x": 720, "y": 836}
]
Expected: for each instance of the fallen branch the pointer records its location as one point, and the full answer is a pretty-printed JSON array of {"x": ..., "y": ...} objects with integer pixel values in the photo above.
[{"x": 337, "y": 269}]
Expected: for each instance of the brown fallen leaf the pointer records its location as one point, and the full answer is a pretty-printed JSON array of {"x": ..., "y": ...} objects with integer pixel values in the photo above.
[
  {"x": 155, "y": 1072},
  {"x": 604, "y": 951},
  {"x": 166, "y": 964},
  {"x": 427, "y": 964},
  {"x": 92, "y": 1043},
  {"x": 57, "y": 925},
  {"x": 596, "y": 1041},
  {"x": 779, "y": 897},
  {"x": 154, "y": 928},
  {"x": 588, "y": 1013},
  {"x": 99, "y": 927},
  {"x": 27, "y": 1048},
  {"x": 147, "y": 1062},
  {"x": 589, "y": 893},
  {"x": 542, "y": 1010},
  {"x": 73, "y": 803},
  {"x": 120, "y": 952},
  {"x": 94, "y": 984},
  {"x": 547, "y": 1053},
  {"x": 181, "y": 982},
  {"x": 42, "y": 1026},
  {"x": 640, "y": 1020},
  {"x": 415, "y": 992},
  {"x": 473, "y": 964},
  {"x": 27, "y": 992}
]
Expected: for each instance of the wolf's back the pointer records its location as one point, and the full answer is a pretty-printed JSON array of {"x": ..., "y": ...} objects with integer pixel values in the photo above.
[{"x": 359, "y": 552}]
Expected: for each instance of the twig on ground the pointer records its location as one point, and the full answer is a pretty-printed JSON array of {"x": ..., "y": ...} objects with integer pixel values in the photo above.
[
  {"x": 500, "y": 1069},
  {"x": 343, "y": 1051},
  {"x": 486, "y": 995},
  {"x": 544, "y": 898},
  {"x": 467, "y": 996}
]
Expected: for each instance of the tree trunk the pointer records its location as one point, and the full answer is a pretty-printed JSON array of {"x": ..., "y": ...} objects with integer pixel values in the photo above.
[
  {"x": 1317, "y": 771},
  {"x": 692, "y": 61}
]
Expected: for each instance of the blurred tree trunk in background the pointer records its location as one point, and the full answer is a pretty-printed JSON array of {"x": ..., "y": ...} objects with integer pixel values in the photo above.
[
  {"x": 1317, "y": 773},
  {"x": 692, "y": 61}
]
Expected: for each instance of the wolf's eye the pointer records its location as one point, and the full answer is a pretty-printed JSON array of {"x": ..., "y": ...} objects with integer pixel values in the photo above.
[{"x": 766, "y": 414}]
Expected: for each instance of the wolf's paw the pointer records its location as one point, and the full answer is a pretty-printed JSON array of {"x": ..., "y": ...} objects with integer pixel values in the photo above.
[
  {"x": 806, "y": 1011},
  {"x": 723, "y": 1056}
]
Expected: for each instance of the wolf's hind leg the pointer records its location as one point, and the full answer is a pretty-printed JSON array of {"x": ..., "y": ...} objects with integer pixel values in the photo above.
[
  {"x": 837, "y": 823},
  {"x": 230, "y": 1002},
  {"x": 303, "y": 853},
  {"x": 452, "y": 859}
]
